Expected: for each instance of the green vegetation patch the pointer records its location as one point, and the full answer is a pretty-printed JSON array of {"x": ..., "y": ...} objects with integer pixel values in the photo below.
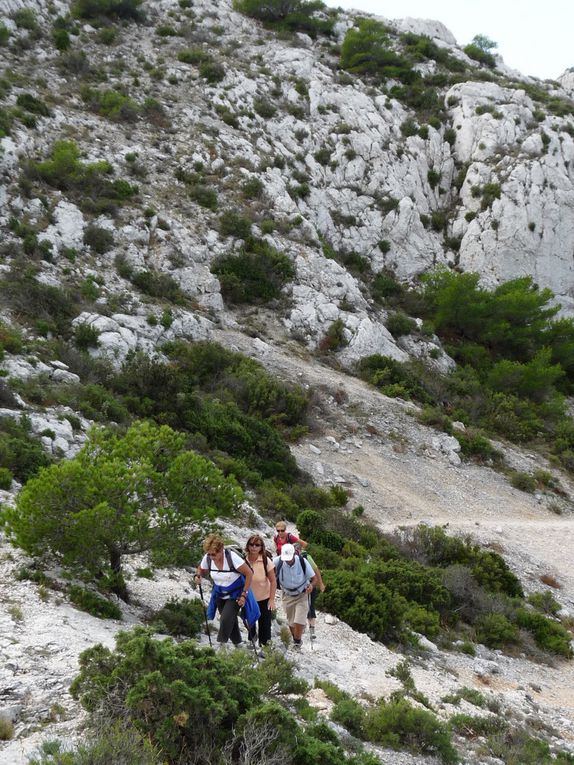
[{"x": 256, "y": 274}]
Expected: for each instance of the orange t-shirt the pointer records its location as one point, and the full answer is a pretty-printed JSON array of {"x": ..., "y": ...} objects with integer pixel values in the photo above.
[{"x": 260, "y": 585}]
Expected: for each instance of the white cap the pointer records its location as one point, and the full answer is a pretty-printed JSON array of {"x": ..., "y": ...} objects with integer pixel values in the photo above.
[{"x": 287, "y": 552}]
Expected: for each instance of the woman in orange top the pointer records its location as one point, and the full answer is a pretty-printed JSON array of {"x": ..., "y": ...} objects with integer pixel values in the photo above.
[{"x": 263, "y": 586}]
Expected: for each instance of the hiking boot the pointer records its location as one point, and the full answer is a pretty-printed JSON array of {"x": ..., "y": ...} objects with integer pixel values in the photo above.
[
  {"x": 297, "y": 645},
  {"x": 312, "y": 633},
  {"x": 239, "y": 645}
]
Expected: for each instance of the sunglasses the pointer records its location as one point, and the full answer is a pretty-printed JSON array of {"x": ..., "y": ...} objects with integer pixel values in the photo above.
[
  {"x": 255, "y": 544},
  {"x": 278, "y": 529}
]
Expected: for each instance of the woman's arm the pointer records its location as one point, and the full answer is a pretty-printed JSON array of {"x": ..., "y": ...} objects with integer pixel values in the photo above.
[
  {"x": 272, "y": 585},
  {"x": 247, "y": 572},
  {"x": 319, "y": 581}
]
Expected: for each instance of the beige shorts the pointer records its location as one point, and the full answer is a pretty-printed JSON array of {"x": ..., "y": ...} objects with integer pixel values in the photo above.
[{"x": 295, "y": 607}]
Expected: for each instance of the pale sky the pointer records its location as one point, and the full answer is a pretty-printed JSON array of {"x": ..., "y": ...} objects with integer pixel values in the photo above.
[{"x": 534, "y": 36}]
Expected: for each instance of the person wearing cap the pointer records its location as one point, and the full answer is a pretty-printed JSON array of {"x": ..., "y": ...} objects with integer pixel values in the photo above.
[{"x": 296, "y": 578}]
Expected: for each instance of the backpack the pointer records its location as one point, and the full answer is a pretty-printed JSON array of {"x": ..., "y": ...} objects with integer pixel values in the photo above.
[
  {"x": 230, "y": 567},
  {"x": 280, "y": 566}
]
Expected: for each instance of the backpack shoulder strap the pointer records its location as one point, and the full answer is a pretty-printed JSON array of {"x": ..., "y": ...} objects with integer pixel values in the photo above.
[{"x": 229, "y": 560}]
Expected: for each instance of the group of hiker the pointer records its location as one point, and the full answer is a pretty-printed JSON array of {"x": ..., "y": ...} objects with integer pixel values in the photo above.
[{"x": 246, "y": 584}]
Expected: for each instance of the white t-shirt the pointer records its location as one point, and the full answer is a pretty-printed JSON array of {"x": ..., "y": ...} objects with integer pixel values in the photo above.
[{"x": 223, "y": 577}]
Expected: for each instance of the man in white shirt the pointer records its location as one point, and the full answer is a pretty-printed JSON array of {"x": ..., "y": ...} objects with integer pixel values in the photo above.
[{"x": 295, "y": 577}]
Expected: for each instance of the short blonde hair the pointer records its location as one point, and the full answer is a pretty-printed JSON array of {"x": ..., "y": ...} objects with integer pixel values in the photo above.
[{"x": 213, "y": 543}]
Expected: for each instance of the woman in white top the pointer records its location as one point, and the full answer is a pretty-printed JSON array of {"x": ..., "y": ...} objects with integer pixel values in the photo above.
[{"x": 232, "y": 578}]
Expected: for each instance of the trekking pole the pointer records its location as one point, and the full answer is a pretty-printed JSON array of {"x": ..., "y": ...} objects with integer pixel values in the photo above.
[
  {"x": 251, "y": 638},
  {"x": 308, "y": 609},
  {"x": 205, "y": 613}
]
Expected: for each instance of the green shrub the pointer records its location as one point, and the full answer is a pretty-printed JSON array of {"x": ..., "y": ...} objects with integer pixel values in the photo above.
[
  {"x": 400, "y": 324},
  {"x": 385, "y": 286},
  {"x": 86, "y": 336},
  {"x": 252, "y": 188},
  {"x": 289, "y": 15},
  {"x": 232, "y": 223},
  {"x": 113, "y": 9},
  {"x": 87, "y": 184},
  {"x": 182, "y": 698},
  {"x": 476, "y": 53},
  {"x": 99, "y": 239},
  {"x": 4, "y": 35},
  {"x": 61, "y": 39},
  {"x": 392, "y": 377},
  {"x": 398, "y": 725},
  {"x": 111, "y": 104},
  {"x": 350, "y": 714},
  {"x": 523, "y": 481},
  {"x": 264, "y": 108},
  {"x": 203, "y": 195},
  {"x": 179, "y": 618},
  {"x": 193, "y": 56},
  {"x": 158, "y": 285},
  {"x": 495, "y": 630},
  {"x": 10, "y": 338},
  {"x": 212, "y": 71},
  {"x": 366, "y": 50},
  {"x": 256, "y": 275},
  {"x": 334, "y": 338},
  {"x": 31, "y": 104},
  {"x": 6, "y": 729},
  {"x": 548, "y": 635},
  {"x": 6, "y": 478},
  {"x": 25, "y": 18},
  {"x": 116, "y": 744},
  {"x": 545, "y": 602},
  {"x": 364, "y": 605},
  {"x": 89, "y": 601},
  {"x": 471, "y": 726},
  {"x": 21, "y": 453}
]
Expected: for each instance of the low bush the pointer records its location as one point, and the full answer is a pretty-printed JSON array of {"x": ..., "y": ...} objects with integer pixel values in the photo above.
[
  {"x": 256, "y": 275},
  {"x": 471, "y": 726},
  {"x": 193, "y": 56},
  {"x": 99, "y": 239},
  {"x": 183, "y": 698},
  {"x": 6, "y": 478},
  {"x": 476, "y": 53},
  {"x": 111, "y": 104},
  {"x": 158, "y": 284},
  {"x": 307, "y": 16},
  {"x": 212, "y": 71},
  {"x": 115, "y": 744},
  {"x": 88, "y": 184},
  {"x": 548, "y": 634},
  {"x": 112, "y": 9},
  {"x": 400, "y": 324},
  {"x": 21, "y": 453},
  {"x": 49, "y": 308},
  {"x": 397, "y": 724},
  {"x": 232, "y": 223},
  {"x": 94, "y": 604},
  {"x": 179, "y": 618},
  {"x": 86, "y": 336},
  {"x": 495, "y": 630}
]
